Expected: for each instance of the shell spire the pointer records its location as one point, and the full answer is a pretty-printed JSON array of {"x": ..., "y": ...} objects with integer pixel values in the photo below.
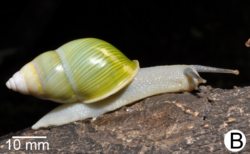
[{"x": 17, "y": 83}]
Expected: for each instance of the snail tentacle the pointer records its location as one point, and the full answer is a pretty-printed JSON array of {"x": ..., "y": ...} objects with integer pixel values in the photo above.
[
  {"x": 200, "y": 68},
  {"x": 190, "y": 72}
]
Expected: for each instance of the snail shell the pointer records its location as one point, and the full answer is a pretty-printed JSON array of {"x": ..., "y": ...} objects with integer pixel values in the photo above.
[{"x": 83, "y": 70}]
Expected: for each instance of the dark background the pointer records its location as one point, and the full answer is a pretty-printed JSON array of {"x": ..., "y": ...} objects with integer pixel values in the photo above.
[{"x": 154, "y": 33}]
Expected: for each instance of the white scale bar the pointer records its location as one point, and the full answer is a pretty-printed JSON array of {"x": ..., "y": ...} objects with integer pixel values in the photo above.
[{"x": 29, "y": 136}]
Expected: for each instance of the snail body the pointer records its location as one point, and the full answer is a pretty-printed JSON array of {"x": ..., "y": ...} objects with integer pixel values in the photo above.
[
  {"x": 135, "y": 86},
  {"x": 149, "y": 81}
]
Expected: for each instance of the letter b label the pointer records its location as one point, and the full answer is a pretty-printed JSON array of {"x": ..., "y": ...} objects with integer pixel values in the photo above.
[{"x": 235, "y": 140}]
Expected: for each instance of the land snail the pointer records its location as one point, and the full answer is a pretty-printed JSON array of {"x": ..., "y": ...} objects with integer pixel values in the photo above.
[{"x": 92, "y": 77}]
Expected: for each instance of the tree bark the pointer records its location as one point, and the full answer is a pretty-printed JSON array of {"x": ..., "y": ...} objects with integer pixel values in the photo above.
[{"x": 169, "y": 123}]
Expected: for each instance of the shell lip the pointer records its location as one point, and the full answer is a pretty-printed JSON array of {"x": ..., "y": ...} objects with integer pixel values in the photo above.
[{"x": 118, "y": 88}]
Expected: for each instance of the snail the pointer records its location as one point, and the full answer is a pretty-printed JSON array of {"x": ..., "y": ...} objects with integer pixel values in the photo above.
[{"x": 92, "y": 77}]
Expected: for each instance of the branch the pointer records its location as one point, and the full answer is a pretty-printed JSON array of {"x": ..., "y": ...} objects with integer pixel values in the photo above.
[{"x": 178, "y": 122}]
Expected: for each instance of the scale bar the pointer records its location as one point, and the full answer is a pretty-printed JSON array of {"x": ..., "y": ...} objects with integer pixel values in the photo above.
[{"x": 29, "y": 136}]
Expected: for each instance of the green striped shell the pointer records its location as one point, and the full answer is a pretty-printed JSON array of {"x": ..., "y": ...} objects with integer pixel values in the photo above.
[{"x": 83, "y": 70}]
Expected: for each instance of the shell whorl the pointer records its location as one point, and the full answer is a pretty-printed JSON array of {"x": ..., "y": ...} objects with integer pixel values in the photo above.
[
  {"x": 17, "y": 83},
  {"x": 83, "y": 70}
]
